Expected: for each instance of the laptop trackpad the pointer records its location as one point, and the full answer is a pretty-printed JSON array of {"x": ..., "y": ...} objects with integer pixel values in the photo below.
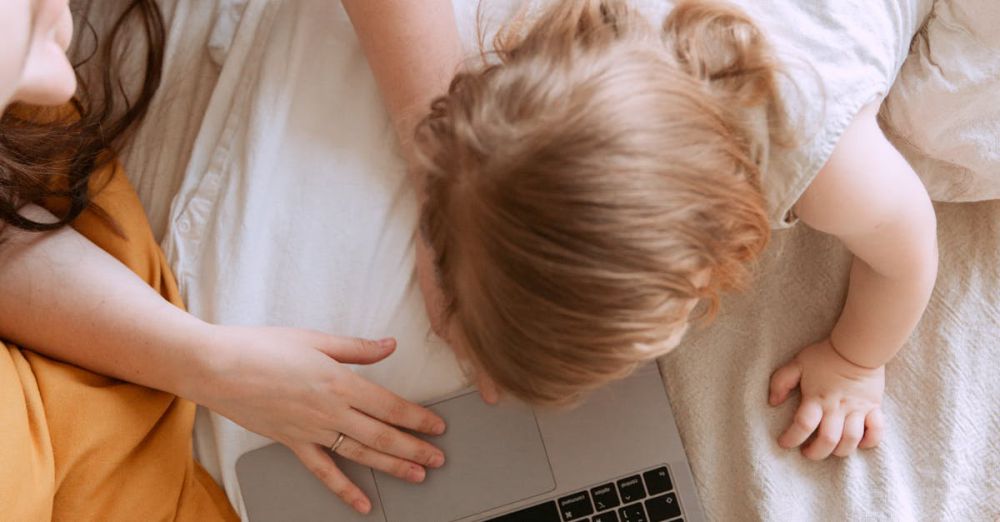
[{"x": 495, "y": 456}]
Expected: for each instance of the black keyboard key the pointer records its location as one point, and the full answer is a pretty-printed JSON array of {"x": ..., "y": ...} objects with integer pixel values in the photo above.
[
  {"x": 575, "y": 506},
  {"x": 633, "y": 513},
  {"x": 605, "y": 497},
  {"x": 663, "y": 507},
  {"x": 546, "y": 512},
  {"x": 657, "y": 481},
  {"x": 610, "y": 516},
  {"x": 631, "y": 489}
]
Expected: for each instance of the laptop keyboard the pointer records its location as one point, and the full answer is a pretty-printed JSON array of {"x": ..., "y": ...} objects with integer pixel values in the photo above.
[{"x": 646, "y": 496}]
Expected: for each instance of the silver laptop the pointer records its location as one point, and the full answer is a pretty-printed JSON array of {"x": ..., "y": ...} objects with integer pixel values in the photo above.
[{"x": 617, "y": 457}]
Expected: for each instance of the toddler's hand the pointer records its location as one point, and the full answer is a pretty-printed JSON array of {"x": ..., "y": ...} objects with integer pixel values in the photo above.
[
  {"x": 841, "y": 402},
  {"x": 488, "y": 389}
]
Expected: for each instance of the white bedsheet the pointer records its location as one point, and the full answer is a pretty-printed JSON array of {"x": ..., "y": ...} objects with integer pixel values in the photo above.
[
  {"x": 293, "y": 209},
  {"x": 314, "y": 229}
]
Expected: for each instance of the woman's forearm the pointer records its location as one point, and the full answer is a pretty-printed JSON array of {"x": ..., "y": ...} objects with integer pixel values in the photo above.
[
  {"x": 64, "y": 297},
  {"x": 881, "y": 312},
  {"x": 413, "y": 49},
  {"x": 101, "y": 316}
]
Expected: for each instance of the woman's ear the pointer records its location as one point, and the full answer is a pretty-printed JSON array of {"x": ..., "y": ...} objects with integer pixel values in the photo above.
[{"x": 48, "y": 77}]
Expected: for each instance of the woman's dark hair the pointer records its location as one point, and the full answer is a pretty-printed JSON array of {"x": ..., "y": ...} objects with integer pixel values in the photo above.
[{"x": 42, "y": 158}]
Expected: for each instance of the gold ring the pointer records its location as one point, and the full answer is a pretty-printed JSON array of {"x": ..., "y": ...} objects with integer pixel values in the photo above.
[{"x": 336, "y": 444}]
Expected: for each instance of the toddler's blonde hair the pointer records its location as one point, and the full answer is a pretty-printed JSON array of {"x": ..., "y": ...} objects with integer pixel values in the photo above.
[{"x": 576, "y": 188}]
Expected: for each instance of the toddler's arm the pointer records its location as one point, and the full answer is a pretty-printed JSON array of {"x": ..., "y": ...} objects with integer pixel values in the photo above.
[{"x": 870, "y": 198}]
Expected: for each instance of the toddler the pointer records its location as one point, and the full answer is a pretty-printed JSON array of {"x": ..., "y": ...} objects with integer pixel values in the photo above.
[{"x": 586, "y": 191}]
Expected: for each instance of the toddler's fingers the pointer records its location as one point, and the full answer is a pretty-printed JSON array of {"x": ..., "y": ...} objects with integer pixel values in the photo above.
[
  {"x": 488, "y": 389},
  {"x": 808, "y": 416},
  {"x": 874, "y": 428},
  {"x": 783, "y": 381},
  {"x": 829, "y": 434},
  {"x": 854, "y": 429}
]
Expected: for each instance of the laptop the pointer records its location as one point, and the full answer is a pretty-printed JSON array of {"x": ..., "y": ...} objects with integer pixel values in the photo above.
[{"x": 615, "y": 458}]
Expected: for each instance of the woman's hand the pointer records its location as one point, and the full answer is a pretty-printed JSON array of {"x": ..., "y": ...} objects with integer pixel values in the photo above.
[
  {"x": 292, "y": 386},
  {"x": 841, "y": 402}
]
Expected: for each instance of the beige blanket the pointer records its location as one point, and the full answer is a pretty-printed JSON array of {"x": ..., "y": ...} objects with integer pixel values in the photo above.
[{"x": 940, "y": 459}]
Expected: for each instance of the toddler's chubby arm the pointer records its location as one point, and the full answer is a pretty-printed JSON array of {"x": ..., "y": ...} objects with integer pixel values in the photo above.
[{"x": 870, "y": 198}]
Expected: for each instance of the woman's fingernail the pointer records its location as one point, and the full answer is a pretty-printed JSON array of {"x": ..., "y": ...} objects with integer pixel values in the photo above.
[
  {"x": 362, "y": 505},
  {"x": 416, "y": 474},
  {"x": 438, "y": 429},
  {"x": 388, "y": 342},
  {"x": 436, "y": 461}
]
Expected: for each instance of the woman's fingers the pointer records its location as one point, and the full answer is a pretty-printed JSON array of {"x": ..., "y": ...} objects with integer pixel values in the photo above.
[
  {"x": 319, "y": 463},
  {"x": 830, "y": 431},
  {"x": 387, "y": 439},
  {"x": 391, "y": 408},
  {"x": 403, "y": 469},
  {"x": 808, "y": 416},
  {"x": 854, "y": 429},
  {"x": 783, "y": 381},
  {"x": 352, "y": 350},
  {"x": 874, "y": 428},
  {"x": 368, "y": 397}
]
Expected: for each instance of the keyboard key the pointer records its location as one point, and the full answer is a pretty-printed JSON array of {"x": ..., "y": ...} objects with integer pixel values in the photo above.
[
  {"x": 575, "y": 506},
  {"x": 633, "y": 513},
  {"x": 663, "y": 507},
  {"x": 546, "y": 512},
  {"x": 631, "y": 489},
  {"x": 605, "y": 497},
  {"x": 610, "y": 516},
  {"x": 657, "y": 481}
]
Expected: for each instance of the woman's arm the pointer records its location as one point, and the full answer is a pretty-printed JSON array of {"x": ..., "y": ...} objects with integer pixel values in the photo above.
[
  {"x": 413, "y": 49},
  {"x": 62, "y": 296},
  {"x": 870, "y": 198},
  {"x": 55, "y": 288}
]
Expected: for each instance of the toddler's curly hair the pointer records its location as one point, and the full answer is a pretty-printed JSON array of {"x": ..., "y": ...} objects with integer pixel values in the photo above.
[{"x": 577, "y": 186}]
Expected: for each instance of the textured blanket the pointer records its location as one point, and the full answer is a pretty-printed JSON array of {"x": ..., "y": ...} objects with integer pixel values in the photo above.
[{"x": 940, "y": 459}]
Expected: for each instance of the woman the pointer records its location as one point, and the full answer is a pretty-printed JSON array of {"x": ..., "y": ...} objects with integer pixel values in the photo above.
[{"x": 100, "y": 361}]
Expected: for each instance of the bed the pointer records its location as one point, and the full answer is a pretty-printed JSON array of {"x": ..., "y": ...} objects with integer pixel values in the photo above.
[{"x": 283, "y": 202}]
